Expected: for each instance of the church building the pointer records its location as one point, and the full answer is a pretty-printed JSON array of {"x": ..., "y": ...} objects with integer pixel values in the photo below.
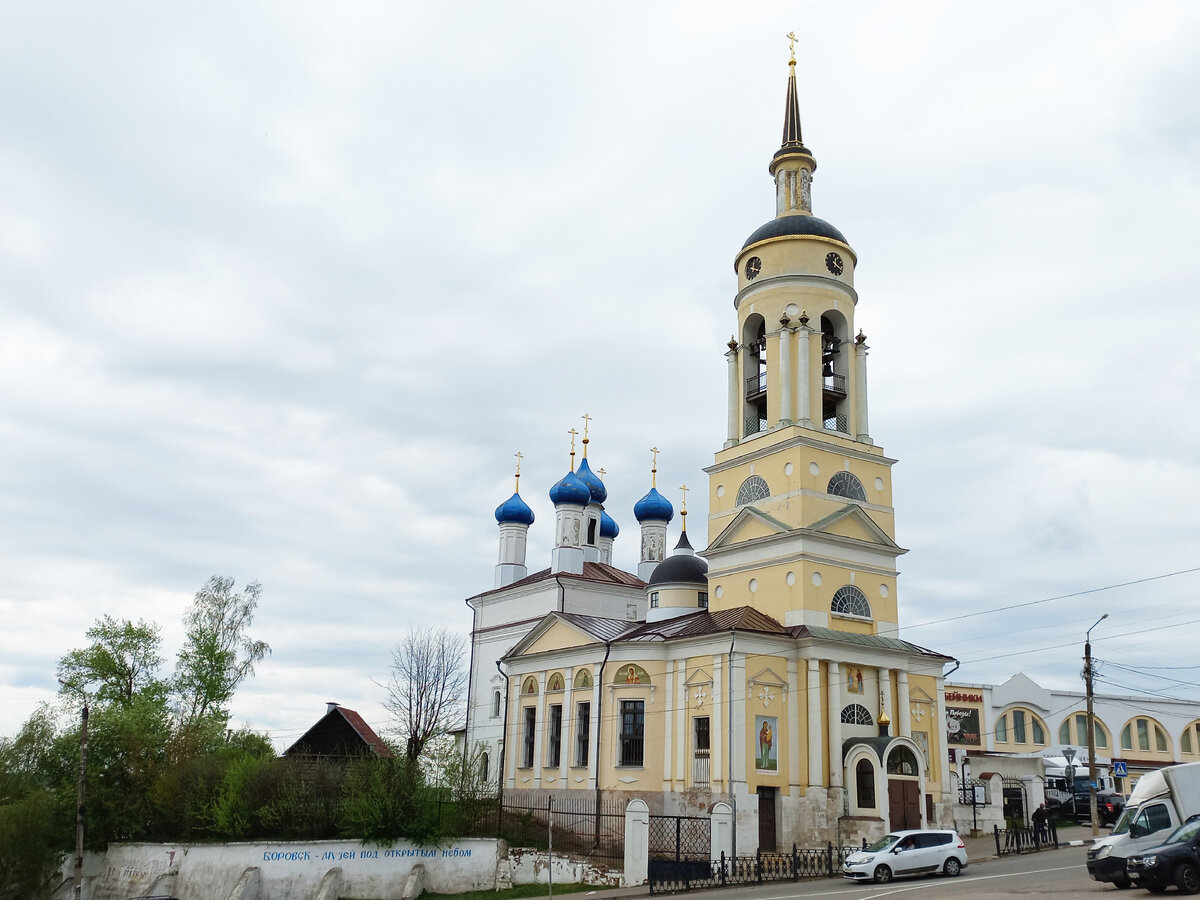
[{"x": 762, "y": 671}]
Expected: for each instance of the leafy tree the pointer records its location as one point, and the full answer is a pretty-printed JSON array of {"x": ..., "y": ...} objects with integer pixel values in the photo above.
[
  {"x": 218, "y": 654},
  {"x": 121, "y": 662},
  {"x": 427, "y": 687}
]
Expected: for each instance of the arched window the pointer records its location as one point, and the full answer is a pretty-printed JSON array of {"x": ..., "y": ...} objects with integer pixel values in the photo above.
[
  {"x": 1189, "y": 740},
  {"x": 592, "y": 532},
  {"x": 901, "y": 761},
  {"x": 495, "y": 703},
  {"x": 1080, "y": 732},
  {"x": 843, "y": 484},
  {"x": 483, "y": 766},
  {"x": 1138, "y": 734},
  {"x": 864, "y": 780},
  {"x": 854, "y": 714},
  {"x": 850, "y": 601},
  {"x": 1022, "y": 726},
  {"x": 753, "y": 488}
]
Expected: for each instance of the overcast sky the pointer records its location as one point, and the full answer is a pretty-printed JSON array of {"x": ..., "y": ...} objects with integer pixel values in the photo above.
[{"x": 284, "y": 287}]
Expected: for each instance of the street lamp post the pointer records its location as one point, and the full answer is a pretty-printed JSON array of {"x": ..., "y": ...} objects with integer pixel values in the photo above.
[
  {"x": 80, "y": 791},
  {"x": 1069, "y": 773},
  {"x": 1091, "y": 725}
]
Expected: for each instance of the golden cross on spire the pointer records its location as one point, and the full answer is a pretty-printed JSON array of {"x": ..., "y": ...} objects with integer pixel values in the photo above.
[
  {"x": 586, "y": 421},
  {"x": 572, "y": 433},
  {"x": 654, "y": 466},
  {"x": 519, "y": 458},
  {"x": 683, "y": 507},
  {"x": 600, "y": 471},
  {"x": 792, "y": 46}
]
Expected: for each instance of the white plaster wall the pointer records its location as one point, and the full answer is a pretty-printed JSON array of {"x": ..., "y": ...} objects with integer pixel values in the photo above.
[{"x": 289, "y": 870}]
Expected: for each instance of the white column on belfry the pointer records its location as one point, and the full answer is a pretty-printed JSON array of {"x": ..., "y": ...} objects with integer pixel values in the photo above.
[
  {"x": 803, "y": 373},
  {"x": 860, "y": 387},
  {"x": 785, "y": 372},
  {"x": 732, "y": 436}
]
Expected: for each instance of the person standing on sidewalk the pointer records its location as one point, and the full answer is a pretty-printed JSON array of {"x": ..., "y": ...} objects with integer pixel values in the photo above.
[{"x": 1039, "y": 824}]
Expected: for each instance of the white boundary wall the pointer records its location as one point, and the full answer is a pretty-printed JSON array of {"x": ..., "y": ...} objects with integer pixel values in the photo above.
[{"x": 291, "y": 871}]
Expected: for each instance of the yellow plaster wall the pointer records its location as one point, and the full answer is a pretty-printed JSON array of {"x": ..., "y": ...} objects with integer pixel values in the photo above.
[
  {"x": 558, "y": 636},
  {"x": 775, "y": 597},
  {"x": 786, "y": 731},
  {"x": 932, "y": 726}
]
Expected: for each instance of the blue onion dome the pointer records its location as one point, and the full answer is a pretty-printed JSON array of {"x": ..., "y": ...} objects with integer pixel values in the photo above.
[
  {"x": 654, "y": 507},
  {"x": 514, "y": 509},
  {"x": 570, "y": 490},
  {"x": 592, "y": 480},
  {"x": 608, "y": 526}
]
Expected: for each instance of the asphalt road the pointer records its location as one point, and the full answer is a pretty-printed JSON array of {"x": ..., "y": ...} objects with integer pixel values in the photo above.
[{"x": 1059, "y": 873}]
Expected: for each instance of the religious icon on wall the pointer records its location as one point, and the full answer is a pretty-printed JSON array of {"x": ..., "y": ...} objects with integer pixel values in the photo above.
[
  {"x": 628, "y": 673},
  {"x": 556, "y": 682},
  {"x": 583, "y": 679},
  {"x": 854, "y": 680},
  {"x": 530, "y": 686},
  {"x": 631, "y": 676},
  {"x": 767, "y": 758}
]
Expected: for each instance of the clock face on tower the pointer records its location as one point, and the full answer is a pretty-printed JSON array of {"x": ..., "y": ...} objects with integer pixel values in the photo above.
[
  {"x": 753, "y": 267},
  {"x": 833, "y": 262}
]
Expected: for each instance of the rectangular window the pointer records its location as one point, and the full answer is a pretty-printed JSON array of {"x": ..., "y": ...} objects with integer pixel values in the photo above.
[
  {"x": 654, "y": 599},
  {"x": 583, "y": 732},
  {"x": 701, "y": 753},
  {"x": 554, "y": 748},
  {"x": 1081, "y": 728},
  {"x": 527, "y": 744},
  {"x": 633, "y": 731},
  {"x": 1019, "y": 726},
  {"x": 1143, "y": 728},
  {"x": 702, "y": 599}
]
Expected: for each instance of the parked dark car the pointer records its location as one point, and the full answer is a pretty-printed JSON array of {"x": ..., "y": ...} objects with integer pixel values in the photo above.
[
  {"x": 1176, "y": 862},
  {"x": 1109, "y": 806}
]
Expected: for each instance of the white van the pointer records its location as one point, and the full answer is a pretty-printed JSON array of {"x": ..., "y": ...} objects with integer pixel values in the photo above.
[{"x": 1159, "y": 804}]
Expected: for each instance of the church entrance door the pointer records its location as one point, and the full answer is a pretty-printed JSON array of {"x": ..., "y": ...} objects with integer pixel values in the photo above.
[
  {"x": 904, "y": 804},
  {"x": 766, "y": 819}
]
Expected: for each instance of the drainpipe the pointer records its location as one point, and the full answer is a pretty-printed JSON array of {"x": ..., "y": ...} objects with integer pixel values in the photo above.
[
  {"x": 946, "y": 675},
  {"x": 599, "y": 732},
  {"x": 470, "y": 681},
  {"x": 562, "y": 595},
  {"x": 503, "y": 735},
  {"x": 729, "y": 753}
]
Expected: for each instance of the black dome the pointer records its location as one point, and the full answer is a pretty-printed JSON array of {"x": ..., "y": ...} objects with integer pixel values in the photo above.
[
  {"x": 684, "y": 569},
  {"x": 788, "y": 226}
]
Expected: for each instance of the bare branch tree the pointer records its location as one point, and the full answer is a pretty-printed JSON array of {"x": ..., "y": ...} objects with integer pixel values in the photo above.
[{"x": 428, "y": 685}]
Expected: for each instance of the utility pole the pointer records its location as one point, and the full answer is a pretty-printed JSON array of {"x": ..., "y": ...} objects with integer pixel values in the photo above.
[{"x": 1091, "y": 725}]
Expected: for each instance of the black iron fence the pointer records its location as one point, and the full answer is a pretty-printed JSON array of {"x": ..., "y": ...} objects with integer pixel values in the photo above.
[
  {"x": 1025, "y": 839},
  {"x": 670, "y": 876}
]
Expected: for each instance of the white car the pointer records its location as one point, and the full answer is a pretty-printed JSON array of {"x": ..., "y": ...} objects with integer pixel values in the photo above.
[{"x": 903, "y": 853}]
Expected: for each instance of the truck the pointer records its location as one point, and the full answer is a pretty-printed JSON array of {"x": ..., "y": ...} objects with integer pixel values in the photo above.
[
  {"x": 1065, "y": 780},
  {"x": 1161, "y": 801}
]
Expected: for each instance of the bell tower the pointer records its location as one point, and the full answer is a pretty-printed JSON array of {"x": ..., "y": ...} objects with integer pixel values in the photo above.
[{"x": 801, "y": 524}]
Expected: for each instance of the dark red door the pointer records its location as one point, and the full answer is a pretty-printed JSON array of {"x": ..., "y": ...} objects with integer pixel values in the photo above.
[{"x": 904, "y": 804}]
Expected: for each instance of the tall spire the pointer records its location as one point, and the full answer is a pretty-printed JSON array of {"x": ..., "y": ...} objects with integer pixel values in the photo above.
[
  {"x": 793, "y": 165},
  {"x": 792, "y": 141}
]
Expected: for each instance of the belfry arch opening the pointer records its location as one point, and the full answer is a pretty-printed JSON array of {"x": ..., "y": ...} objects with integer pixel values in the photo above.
[
  {"x": 754, "y": 374},
  {"x": 834, "y": 366}
]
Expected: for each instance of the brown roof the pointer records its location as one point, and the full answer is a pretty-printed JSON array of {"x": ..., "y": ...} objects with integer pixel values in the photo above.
[
  {"x": 599, "y": 573},
  {"x": 323, "y": 737}
]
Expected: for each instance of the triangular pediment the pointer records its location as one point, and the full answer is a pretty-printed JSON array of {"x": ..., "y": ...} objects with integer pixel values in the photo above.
[
  {"x": 698, "y": 676},
  {"x": 850, "y": 522},
  {"x": 747, "y": 525},
  {"x": 917, "y": 695},
  {"x": 551, "y": 633},
  {"x": 767, "y": 675},
  {"x": 853, "y": 522}
]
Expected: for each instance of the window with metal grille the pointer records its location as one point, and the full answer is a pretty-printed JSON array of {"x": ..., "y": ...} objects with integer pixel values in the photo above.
[
  {"x": 554, "y": 747},
  {"x": 583, "y": 732},
  {"x": 495, "y": 703},
  {"x": 701, "y": 755},
  {"x": 753, "y": 488},
  {"x": 527, "y": 743},
  {"x": 843, "y": 484},
  {"x": 850, "y": 601},
  {"x": 633, "y": 729},
  {"x": 856, "y": 714}
]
